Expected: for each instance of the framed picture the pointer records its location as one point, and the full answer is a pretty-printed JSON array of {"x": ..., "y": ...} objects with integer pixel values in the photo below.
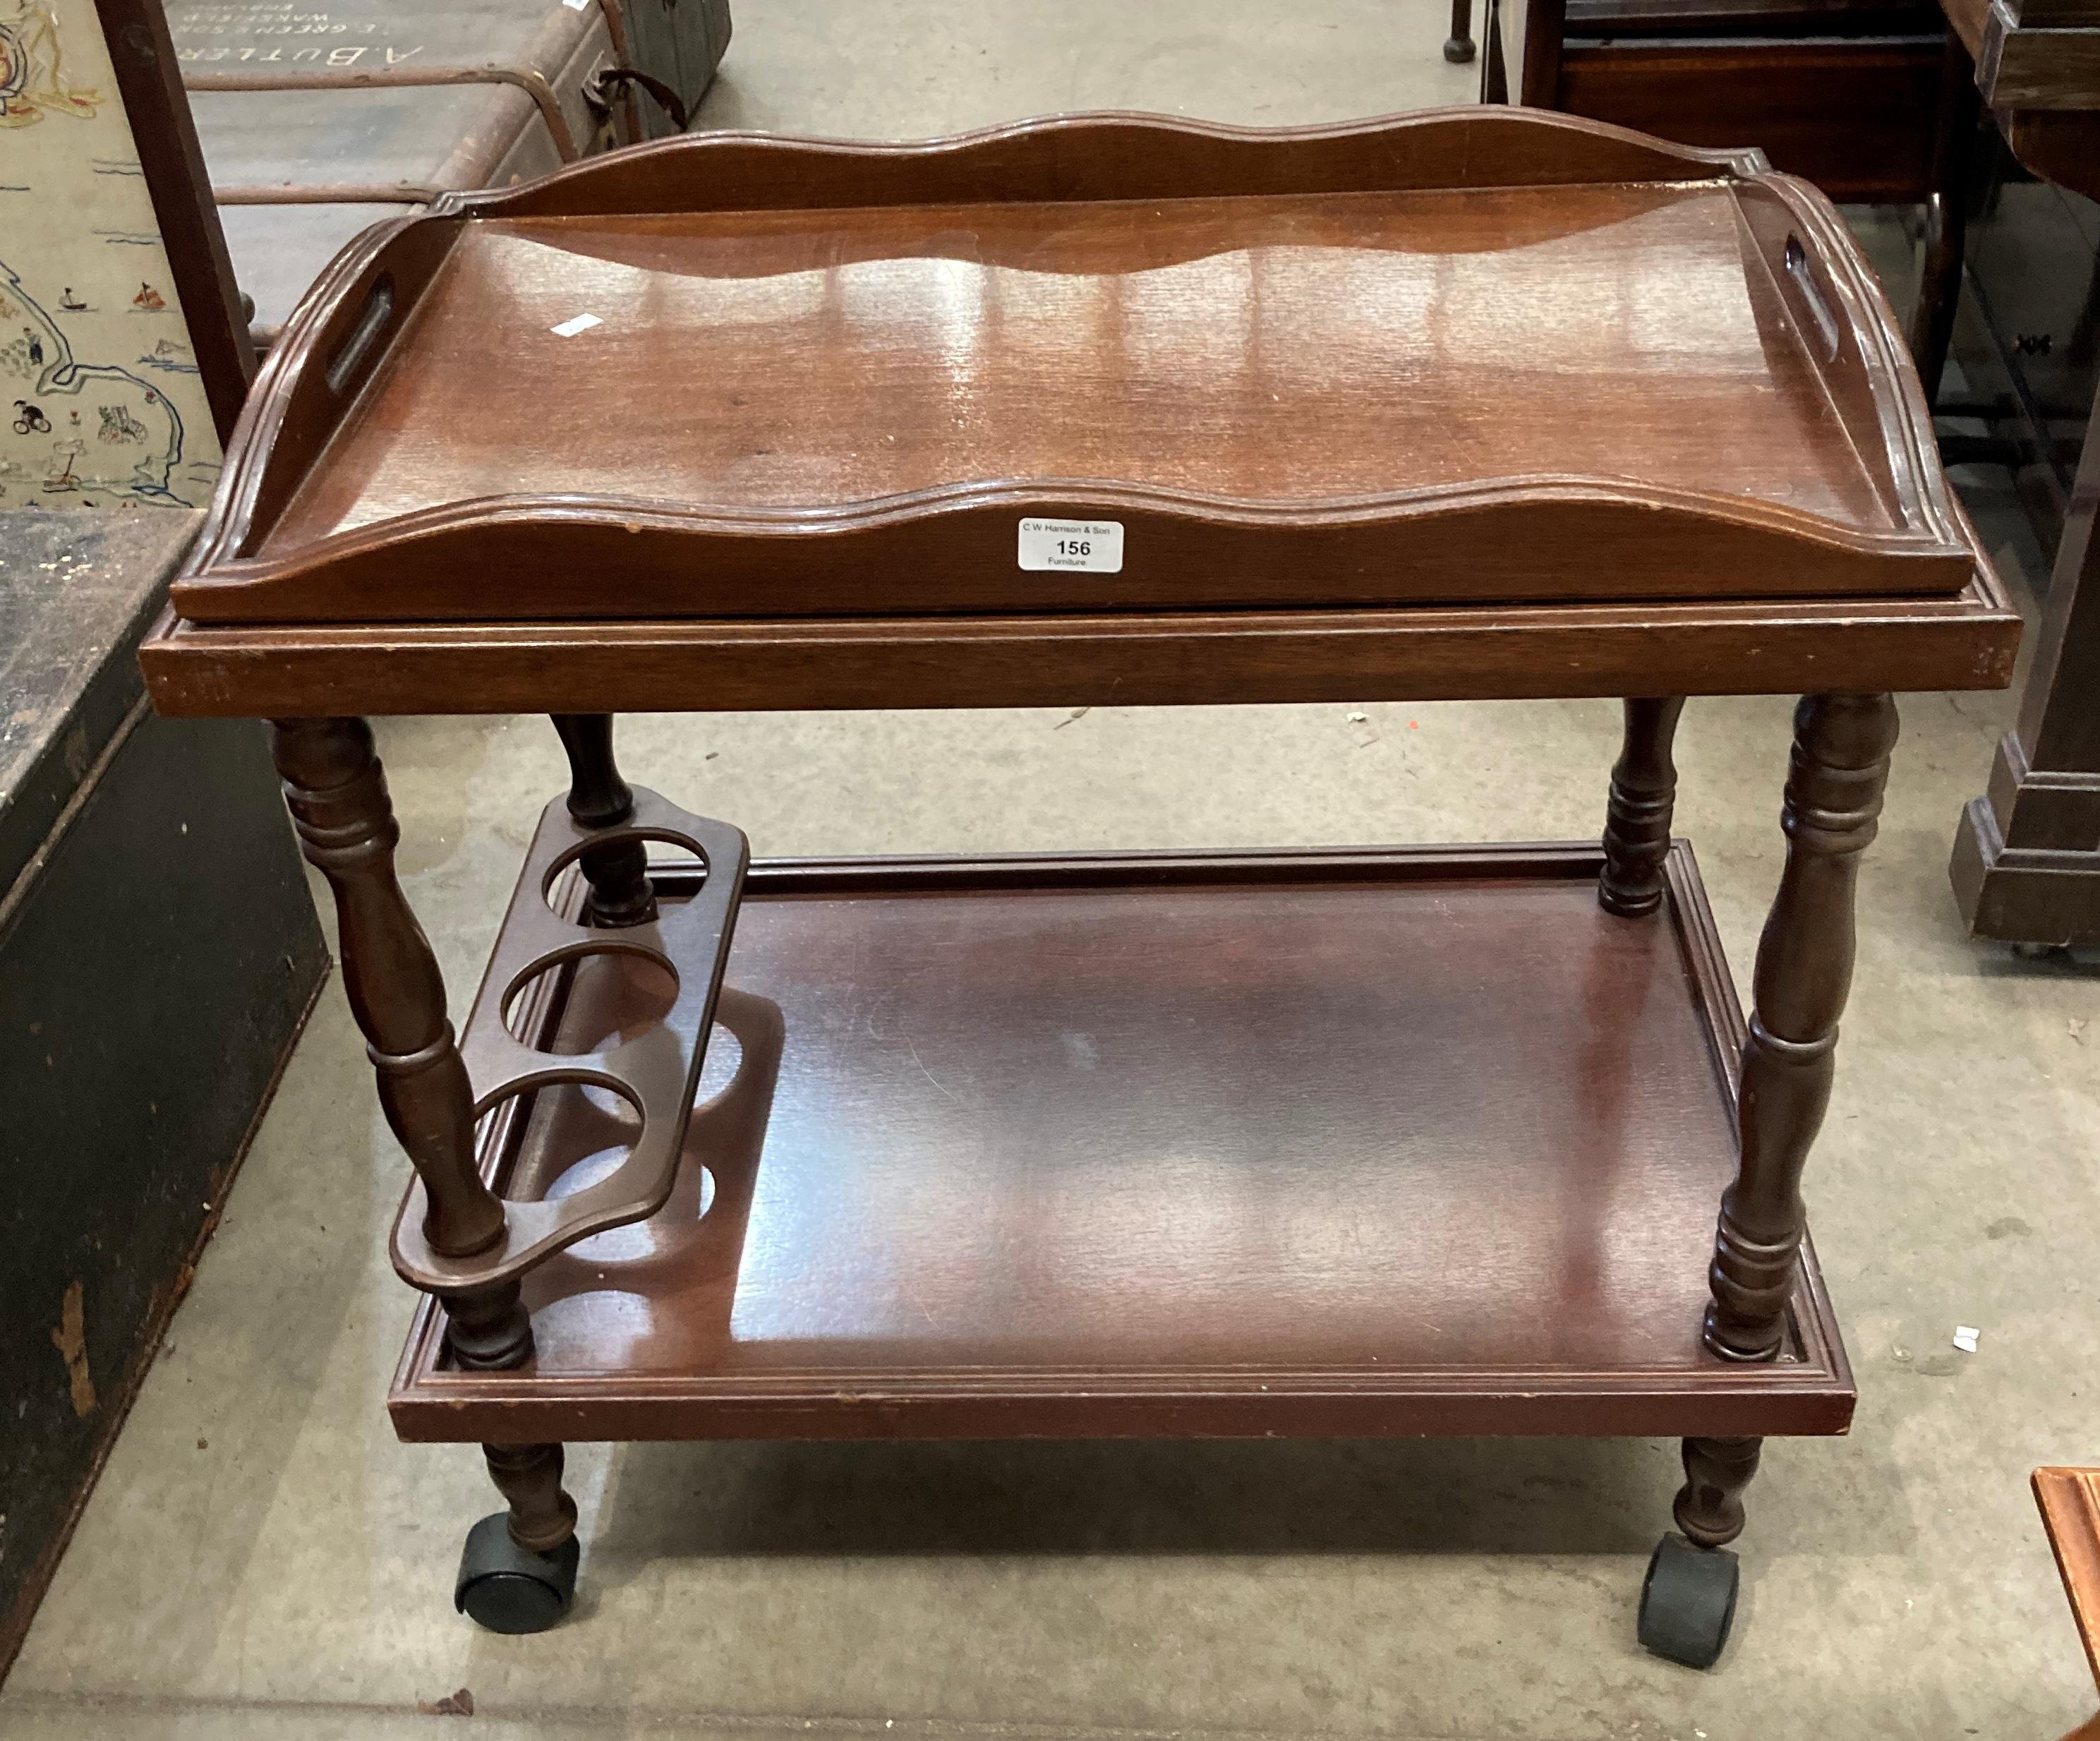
[{"x": 122, "y": 359}]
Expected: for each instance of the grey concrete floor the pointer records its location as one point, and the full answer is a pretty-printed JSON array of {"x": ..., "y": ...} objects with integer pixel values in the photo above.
[{"x": 262, "y": 1560}]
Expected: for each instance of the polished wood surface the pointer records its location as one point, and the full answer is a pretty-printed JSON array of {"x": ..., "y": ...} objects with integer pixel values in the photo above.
[
  {"x": 1135, "y": 659},
  {"x": 1343, "y": 1143},
  {"x": 1279, "y": 351},
  {"x": 2040, "y": 69},
  {"x": 2070, "y": 1502},
  {"x": 1279, "y": 395},
  {"x": 1107, "y": 155}
]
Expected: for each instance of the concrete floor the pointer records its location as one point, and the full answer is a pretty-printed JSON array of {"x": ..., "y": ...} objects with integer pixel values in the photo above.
[{"x": 262, "y": 1559}]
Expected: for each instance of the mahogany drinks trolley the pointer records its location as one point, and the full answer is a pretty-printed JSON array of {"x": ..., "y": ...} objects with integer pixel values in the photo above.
[{"x": 1101, "y": 409}]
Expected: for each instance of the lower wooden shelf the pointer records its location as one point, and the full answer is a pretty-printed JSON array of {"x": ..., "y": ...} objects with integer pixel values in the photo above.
[{"x": 1382, "y": 1143}]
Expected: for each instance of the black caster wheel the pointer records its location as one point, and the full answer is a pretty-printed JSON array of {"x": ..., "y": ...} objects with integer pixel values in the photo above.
[
  {"x": 512, "y": 1589},
  {"x": 1457, "y": 50},
  {"x": 1688, "y": 1602}
]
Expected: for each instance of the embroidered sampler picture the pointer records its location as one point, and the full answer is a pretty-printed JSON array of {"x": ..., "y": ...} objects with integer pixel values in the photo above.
[{"x": 100, "y": 400}]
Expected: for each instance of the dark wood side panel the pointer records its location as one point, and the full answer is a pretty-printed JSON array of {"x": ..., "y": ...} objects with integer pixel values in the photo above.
[{"x": 1781, "y": 96}]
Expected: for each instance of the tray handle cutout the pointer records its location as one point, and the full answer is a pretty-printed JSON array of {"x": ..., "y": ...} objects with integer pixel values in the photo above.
[
  {"x": 346, "y": 368},
  {"x": 1801, "y": 274}
]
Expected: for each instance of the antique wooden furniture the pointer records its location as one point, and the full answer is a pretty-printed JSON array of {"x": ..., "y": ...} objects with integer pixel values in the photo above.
[
  {"x": 2026, "y": 866},
  {"x": 2070, "y": 1502},
  {"x": 1845, "y": 93},
  {"x": 2027, "y": 853},
  {"x": 1473, "y": 403},
  {"x": 1870, "y": 99}
]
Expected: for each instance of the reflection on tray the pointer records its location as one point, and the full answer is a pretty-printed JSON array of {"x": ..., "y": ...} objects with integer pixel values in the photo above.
[{"x": 683, "y": 1261}]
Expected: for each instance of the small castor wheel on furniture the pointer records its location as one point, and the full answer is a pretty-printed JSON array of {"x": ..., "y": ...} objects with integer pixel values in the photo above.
[
  {"x": 508, "y": 1589},
  {"x": 1688, "y": 1602},
  {"x": 1457, "y": 50}
]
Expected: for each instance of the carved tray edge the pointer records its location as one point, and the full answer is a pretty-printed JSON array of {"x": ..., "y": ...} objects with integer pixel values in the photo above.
[
  {"x": 1919, "y": 479},
  {"x": 347, "y": 577},
  {"x": 1037, "y": 143}
]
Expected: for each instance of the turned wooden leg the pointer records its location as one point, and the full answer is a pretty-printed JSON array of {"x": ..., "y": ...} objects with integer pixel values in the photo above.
[
  {"x": 599, "y": 798},
  {"x": 518, "y": 1570},
  {"x": 488, "y": 1329},
  {"x": 1458, "y": 45},
  {"x": 529, "y": 1477},
  {"x": 337, "y": 792},
  {"x": 1709, "y": 1505},
  {"x": 1945, "y": 217},
  {"x": 1637, "y": 823},
  {"x": 1804, "y": 970}
]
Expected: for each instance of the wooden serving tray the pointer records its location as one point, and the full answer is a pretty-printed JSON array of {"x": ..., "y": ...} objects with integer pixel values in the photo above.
[
  {"x": 1463, "y": 356},
  {"x": 1399, "y": 1142}
]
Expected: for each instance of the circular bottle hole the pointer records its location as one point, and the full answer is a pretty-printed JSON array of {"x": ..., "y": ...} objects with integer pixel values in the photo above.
[
  {"x": 637, "y": 1239},
  {"x": 678, "y": 868},
  {"x": 616, "y": 992},
  {"x": 614, "y": 1123}
]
